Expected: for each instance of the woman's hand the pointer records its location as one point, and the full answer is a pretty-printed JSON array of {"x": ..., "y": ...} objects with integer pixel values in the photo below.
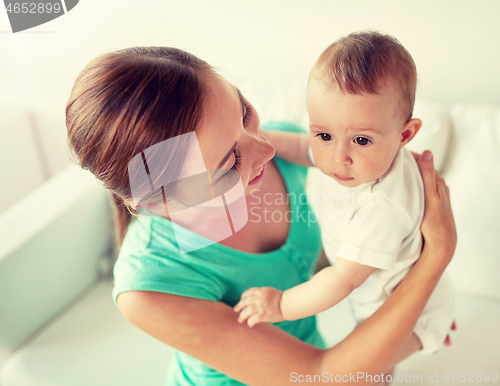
[{"x": 438, "y": 225}]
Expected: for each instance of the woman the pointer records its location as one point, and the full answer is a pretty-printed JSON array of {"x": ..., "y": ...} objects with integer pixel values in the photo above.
[{"x": 125, "y": 102}]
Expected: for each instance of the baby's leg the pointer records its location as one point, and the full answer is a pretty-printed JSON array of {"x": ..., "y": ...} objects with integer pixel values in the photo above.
[
  {"x": 437, "y": 318},
  {"x": 411, "y": 346}
]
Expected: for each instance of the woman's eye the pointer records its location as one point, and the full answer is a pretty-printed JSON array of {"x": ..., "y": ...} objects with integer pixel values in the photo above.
[
  {"x": 362, "y": 141},
  {"x": 248, "y": 111},
  {"x": 237, "y": 164},
  {"x": 325, "y": 137}
]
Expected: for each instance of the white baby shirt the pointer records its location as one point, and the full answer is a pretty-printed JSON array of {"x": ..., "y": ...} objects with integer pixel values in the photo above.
[
  {"x": 378, "y": 224},
  {"x": 375, "y": 224}
]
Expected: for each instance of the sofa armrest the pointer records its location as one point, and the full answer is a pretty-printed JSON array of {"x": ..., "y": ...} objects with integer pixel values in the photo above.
[{"x": 51, "y": 244}]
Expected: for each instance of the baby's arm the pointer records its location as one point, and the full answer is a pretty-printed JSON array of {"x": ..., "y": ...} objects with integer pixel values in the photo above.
[
  {"x": 292, "y": 147},
  {"x": 328, "y": 287}
]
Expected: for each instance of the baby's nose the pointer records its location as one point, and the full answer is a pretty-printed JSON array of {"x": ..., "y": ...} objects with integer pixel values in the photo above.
[{"x": 342, "y": 157}]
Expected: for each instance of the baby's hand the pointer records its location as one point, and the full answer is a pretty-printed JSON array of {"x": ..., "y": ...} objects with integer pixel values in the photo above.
[{"x": 260, "y": 305}]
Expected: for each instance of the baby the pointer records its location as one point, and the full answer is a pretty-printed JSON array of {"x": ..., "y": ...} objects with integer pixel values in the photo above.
[{"x": 360, "y": 100}]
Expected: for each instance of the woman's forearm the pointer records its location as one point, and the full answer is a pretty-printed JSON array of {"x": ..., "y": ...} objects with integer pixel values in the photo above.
[
  {"x": 264, "y": 354},
  {"x": 374, "y": 345},
  {"x": 209, "y": 331}
]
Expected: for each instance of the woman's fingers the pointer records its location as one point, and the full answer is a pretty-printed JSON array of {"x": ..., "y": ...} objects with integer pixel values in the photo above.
[
  {"x": 415, "y": 155},
  {"x": 438, "y": 226},
  {"x": 442, "y": 189},
  {"x": 426, "y": 166}
]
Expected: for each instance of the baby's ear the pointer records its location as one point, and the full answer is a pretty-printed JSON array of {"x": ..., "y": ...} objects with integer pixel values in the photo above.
[{"x": 410, "y": 129}]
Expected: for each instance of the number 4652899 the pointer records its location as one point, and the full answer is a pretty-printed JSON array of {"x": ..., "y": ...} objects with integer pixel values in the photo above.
[
  {"x": 33, "y": 8},
  {"x": 471, "y": 377}
]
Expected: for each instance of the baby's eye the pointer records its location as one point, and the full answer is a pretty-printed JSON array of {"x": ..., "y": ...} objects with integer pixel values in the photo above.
[
  {"x": 325, "y": 137},
  {"x": 362, "y": 141}
]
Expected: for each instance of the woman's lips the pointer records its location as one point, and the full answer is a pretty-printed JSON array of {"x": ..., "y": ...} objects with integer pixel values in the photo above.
[
  {"x": 342, "y": 178},
  {"x": 259, "y": 176}
]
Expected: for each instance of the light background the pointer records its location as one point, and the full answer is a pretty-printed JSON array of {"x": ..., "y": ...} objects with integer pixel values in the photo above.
[
  {"x": 453, "y": 42},
  {"x": 258, "y": 45}
]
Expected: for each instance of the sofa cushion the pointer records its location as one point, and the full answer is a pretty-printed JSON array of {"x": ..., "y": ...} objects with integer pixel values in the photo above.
[
  {"x": 22, "y": 166},
  {"x": 435, "y": 132},
  {"x": 474, "y": 180}
]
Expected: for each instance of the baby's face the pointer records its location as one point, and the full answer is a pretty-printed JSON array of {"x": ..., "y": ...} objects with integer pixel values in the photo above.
[{"x": 354, "y": 138}]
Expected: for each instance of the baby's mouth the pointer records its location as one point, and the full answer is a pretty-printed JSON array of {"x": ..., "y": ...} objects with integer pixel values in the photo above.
[{"x": 342, "y": 178}]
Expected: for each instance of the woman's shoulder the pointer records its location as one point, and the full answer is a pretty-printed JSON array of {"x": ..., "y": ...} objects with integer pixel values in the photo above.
[
  {"x": 147, "y": 236},
  {"x": 283, "y": 126},
  {"x": 149, "y": 260}
]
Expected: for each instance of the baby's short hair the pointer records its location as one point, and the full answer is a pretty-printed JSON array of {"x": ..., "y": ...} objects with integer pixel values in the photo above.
[{"x": 359, "y": 62}]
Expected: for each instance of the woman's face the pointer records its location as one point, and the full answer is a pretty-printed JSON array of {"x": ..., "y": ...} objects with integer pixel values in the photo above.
[{"x": 228, "y": 136}]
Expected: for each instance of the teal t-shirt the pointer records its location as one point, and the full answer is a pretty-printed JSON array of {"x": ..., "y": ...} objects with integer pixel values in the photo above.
[{"x": 149, "y": 260}]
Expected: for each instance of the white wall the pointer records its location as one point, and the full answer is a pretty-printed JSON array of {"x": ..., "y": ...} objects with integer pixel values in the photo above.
[{"x": 454, "y": 44}]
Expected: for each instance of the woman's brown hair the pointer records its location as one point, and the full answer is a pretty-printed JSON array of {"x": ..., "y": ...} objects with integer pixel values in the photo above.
[{"x": 126, "y": 101}]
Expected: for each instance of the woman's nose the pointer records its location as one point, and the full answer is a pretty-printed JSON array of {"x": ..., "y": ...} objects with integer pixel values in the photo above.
[
  {"x": 261, "y": 150},
  {"x": 267, "y": 149}
]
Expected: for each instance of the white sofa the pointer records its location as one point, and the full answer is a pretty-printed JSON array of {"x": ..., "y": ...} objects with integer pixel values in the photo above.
[{"x": 58, "y": 323}]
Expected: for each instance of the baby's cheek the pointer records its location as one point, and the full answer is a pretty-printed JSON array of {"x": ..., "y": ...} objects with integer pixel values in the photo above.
[
  {"x": 321, "y": 164},
  {"x": 323, "y": 170},
  {"x": 380, "y": 168}
]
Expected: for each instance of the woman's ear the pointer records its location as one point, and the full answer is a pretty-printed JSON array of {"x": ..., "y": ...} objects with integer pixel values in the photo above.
[
  {"x": 410, "y": 129},
  {"x": 158, "y": 208}
]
